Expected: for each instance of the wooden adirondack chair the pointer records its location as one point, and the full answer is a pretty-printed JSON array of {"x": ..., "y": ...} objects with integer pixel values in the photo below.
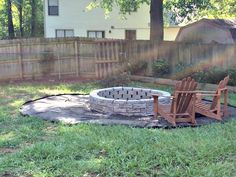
[
  {"x": 213, "y": 110},
  {"x": 182, "y": 106}
]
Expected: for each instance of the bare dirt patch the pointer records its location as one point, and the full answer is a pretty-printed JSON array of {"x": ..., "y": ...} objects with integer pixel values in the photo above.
[{"x": 8, "y": 150}]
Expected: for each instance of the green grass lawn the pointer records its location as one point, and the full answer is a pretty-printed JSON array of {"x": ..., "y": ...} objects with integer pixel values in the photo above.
[{"x": 33, "y": 147}]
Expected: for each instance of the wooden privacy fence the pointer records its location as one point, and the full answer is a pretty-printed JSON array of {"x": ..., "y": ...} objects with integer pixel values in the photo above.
[
  {"x": 40, "y": 58},
  {"x": 109, "y": 57},
  {"x": 113, "y": 56},
  {"x": 76, "y": 57}
]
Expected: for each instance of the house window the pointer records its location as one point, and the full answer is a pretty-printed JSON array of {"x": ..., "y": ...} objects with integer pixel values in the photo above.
[
  {"x": 64, "y": 33},
  {"x": 130, "y": 34},
  {"x": 53, "y": 7},
  {"x": 96, "y": 34}
]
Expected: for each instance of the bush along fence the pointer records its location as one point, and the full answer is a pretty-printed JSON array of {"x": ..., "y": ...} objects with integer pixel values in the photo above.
[{"x": 77, "y": 57}]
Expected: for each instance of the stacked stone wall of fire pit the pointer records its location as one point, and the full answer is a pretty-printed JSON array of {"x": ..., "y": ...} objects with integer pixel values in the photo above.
[{"x": 126, "y": 100}]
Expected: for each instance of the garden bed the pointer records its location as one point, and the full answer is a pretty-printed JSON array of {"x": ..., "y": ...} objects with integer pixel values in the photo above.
[{"x": 171, "y": 82}]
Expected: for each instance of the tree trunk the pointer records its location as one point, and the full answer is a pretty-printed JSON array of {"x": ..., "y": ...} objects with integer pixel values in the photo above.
[
  {"x": 20, "y": 10},
  {"x": 33, "y": 18},
  {"x": 11, "y": 32},
  {"x": 156, "y": 17}
]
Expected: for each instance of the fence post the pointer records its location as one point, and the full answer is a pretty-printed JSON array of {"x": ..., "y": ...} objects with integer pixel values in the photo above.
[
  {"x": 111, "y": 65},
  {"x": 19, "y": 52},
  {"x": 59, "y": 63},
  {"x": 77, "y": 65},
  {"x": 96, "y": 60}
]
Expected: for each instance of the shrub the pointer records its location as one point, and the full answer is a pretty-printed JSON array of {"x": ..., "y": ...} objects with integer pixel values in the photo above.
[
  {"x": 215, "y": 75},
  {"x": 183, "y": 70},
  {"x": 137, "y": 67},
  {"x": 160, "y": 67},
  {"x": 232, "y": 76},
  {"x": 180, "y": 67},
  {"x": 200, "y": 76},
  {"x": 115, "y": 80},
  {"x": 212, "y": 75}
]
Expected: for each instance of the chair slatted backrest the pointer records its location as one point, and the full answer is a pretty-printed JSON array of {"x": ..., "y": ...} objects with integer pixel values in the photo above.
[
  {"x": 222, "y": 85},
  {"x": 183, "y": 99}
]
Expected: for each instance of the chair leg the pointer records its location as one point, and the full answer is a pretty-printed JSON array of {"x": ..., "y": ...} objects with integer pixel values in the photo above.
[
  {"x": 225, "y": 113},
  {"x": 218, "y": 109},
  {"x": 155, "y": 106},
  {"x": 193, "y": 120}
]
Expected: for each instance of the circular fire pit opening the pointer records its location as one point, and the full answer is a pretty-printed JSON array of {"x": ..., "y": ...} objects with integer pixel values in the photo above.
[{"x": 126, "y": 101}]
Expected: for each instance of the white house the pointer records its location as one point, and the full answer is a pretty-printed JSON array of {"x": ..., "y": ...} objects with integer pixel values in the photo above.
[{"x": 67, "y": 18}]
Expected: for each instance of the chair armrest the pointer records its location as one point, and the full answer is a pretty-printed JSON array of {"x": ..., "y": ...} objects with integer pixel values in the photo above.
[
  {"x": 157, "y": 95},
  {"x": 210, "y": 92},
  {"x": 203, "y": 94},
  {"x": 223, "y": 89},
  {"x": 201, "y": 91},
  {"x": 194, "y": 92}
]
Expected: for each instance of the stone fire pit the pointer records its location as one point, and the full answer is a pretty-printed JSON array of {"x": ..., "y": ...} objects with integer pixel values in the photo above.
[{"x": 126, "y": 101}]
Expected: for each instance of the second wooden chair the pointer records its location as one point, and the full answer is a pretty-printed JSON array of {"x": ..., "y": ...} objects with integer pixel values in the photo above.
[{"x": 213, "y": 109}]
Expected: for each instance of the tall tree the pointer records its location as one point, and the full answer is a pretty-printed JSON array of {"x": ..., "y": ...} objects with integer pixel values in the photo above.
[
  {"x": 3, "y": 20},
  {"x": 183, "y": 11},
  {"x": 11, "y": 31},
  {"x": 156, "y": 19},
  {"x": 19, "y": 6},
  {"x": 21, "y": 18},
  {"x": 33, "y": 18},
  {"x": 220, "y": 9}
]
